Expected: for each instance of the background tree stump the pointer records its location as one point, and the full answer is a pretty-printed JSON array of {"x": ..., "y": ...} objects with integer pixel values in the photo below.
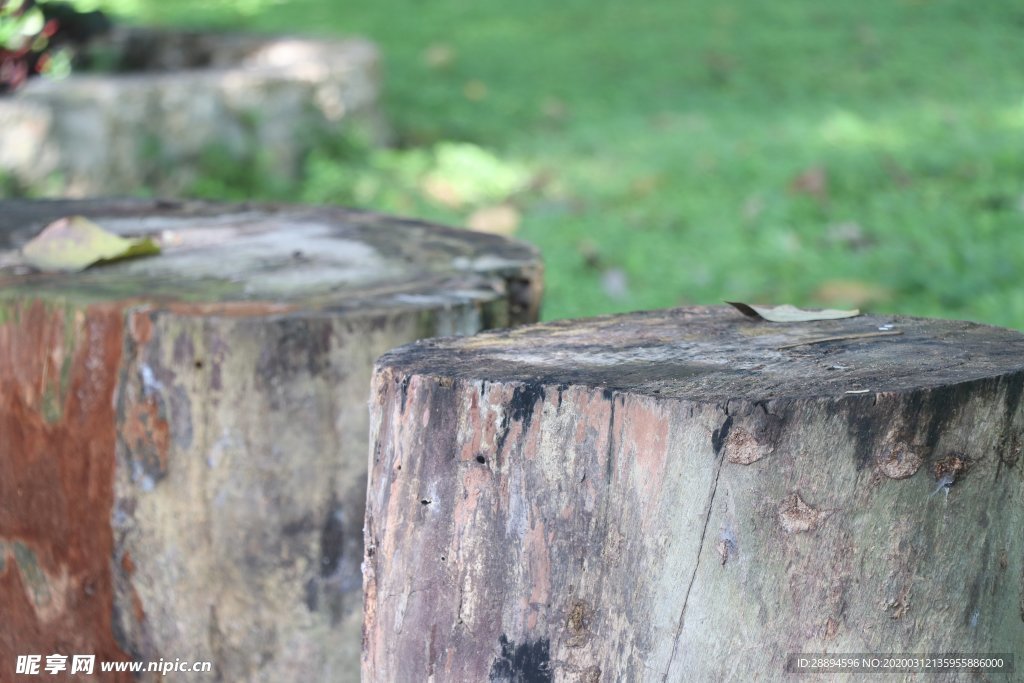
[
  {"x": 170, "y": 100},
  {"x": 691, "y": 495},
  {"x": 183, "y": 439}
]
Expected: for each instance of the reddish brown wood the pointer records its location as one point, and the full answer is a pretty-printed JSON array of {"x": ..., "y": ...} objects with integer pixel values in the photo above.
[
  {"x": 183, "y": 439},
  {"x": 55, "y": 534}
]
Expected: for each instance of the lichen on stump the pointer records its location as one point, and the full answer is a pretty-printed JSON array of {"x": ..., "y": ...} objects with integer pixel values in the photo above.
[
  {"x": 183, "y": 438},
  {"x": 692, "y": 495}
]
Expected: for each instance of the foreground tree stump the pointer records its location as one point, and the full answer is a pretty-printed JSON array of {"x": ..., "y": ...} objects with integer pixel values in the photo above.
[
  {"x": 692, "y": 495},
  {"x": 183, "y": 438}
]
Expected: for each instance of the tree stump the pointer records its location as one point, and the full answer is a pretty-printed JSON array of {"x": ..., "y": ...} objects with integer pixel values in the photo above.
[
  {"x": 170, "y": 100},
  {"x": 183, "y": 438},
  {"x": 691, "y": 495}
]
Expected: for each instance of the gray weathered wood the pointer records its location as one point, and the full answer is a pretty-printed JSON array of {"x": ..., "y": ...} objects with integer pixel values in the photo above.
[
  {"x": 690, "y": 495},
  {"x": 183, "y": 438}
]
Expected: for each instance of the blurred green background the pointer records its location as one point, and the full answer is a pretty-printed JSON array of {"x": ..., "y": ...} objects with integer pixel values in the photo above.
[{"x": 667, "y": 152}]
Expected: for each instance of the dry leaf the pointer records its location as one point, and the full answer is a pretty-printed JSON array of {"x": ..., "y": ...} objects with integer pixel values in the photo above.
[
  {"x": 813, "y": 182},
  {"x": 442, "y": 191},
  {"x": 74, "y": 243},
  {"x": 501, "y": 219},
  {"x": 790, "y": 314}
]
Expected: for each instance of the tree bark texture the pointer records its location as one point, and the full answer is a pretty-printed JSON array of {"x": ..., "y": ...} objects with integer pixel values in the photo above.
[
  {"x": 691, "y": 495},
  {"x": 183, "y": 438}
]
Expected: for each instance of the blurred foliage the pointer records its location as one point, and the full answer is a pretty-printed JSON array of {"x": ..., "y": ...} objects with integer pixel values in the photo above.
[
  {"x": 41, "y": 37},
  {"x": 21, "y": 23},
  {"x": 24, "y": 43},
  {"x": 835, "y": 154}
]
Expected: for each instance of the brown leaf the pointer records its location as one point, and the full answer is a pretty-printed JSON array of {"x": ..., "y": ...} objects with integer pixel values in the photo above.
[
  {"x": 812, "y": 182},
  {"x": 441, "y": 191},
  {"x": 500, "y": 219}
]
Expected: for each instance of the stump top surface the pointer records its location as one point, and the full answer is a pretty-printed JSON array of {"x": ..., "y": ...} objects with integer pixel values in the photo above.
[
  {"x": 717, "y": 354},
  {"x": 299, "y": 255}
]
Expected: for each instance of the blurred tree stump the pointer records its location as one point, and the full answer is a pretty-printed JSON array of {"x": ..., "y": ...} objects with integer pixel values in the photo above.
[
  {"x": 692, "y": 495},
  {"x": 183, "y": 439}
]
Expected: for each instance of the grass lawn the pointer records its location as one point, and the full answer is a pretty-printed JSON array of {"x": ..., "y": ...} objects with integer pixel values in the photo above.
[{"x": 666, "y": 152}]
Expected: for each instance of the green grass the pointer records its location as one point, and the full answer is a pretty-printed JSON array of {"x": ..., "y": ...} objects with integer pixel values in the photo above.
[{"x": 660, "y": 140}]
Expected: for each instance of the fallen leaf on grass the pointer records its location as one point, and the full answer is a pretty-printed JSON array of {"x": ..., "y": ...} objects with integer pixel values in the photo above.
[
  {"x": 812, "y": 182},
  {"x": 442, "y": 192},
  {"x": 501, "y": 219},
  {"x": 790, "y": 314},
  {"x": 74, "y": 243}
]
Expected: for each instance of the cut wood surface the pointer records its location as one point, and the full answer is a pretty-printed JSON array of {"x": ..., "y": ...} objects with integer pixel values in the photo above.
[
  {"x": 691, "y": 495},
  {"x": 183, "y": 438}
]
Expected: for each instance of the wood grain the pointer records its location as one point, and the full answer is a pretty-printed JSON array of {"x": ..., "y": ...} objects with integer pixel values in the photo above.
[{"x": 671, "y": 496}]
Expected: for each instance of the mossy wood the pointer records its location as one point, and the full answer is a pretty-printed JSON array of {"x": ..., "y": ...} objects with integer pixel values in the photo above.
[
  {"x": 691, "y": 495},
  {"x": 183, "y": 438}
]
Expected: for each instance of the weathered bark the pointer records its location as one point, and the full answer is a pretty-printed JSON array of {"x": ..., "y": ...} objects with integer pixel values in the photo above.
[
  {"x": 183, "y": 438},
  {"x": 671, "y": 496}
]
